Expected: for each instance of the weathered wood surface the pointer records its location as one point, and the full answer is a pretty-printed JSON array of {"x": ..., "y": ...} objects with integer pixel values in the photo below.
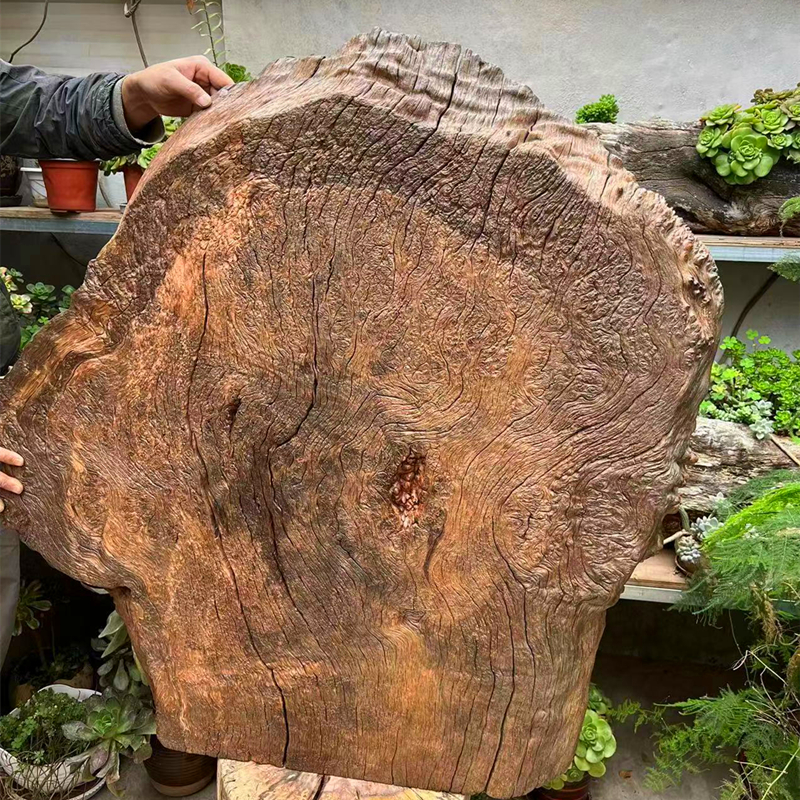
[
  {"x": 727, "y": 455},
  {"x": 365, "y": 416},
  {"x": 237, "y": 780},
  {"x": 662, "y": 156}
]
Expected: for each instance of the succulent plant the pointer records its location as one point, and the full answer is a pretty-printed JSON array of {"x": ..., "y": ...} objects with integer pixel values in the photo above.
[
  {"x": 120, "y": 668},
  {"x": 780, "y": 140},
  {"x": 688, "y": 552},
  {"x": 710, "y": 140},
  {"x": 750, "y": 156},
  {"x": 721, "y": 115},
  {"x": 115, "y": 726},
  {"x": 769, "y": 120},
  {"x": 595, "y": 746},
  {"x": 745, "y": 144}
]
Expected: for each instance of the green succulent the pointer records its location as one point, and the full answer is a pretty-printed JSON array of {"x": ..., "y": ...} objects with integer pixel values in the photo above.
[
  {"x": 30, "y": 605},
  {"x": 595, "y": 745},
  {"x": 769, "y": 120},
  {"x": 791, "y": 108},
  {"x": 710, "y": 140},
  {"x": 750, "y": 156},
  {"x": 115, "y": 726},
  {"x": 721, "y": 115},
  {"x": 793, "y": 153},
  {"x": 780, "y": 141},
  {"x": 120, "y": 668}
]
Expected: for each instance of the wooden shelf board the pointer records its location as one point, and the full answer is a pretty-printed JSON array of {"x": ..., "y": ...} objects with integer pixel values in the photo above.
[
  {"x": 30, "y": 218},
  {"x": 655, "y": 580},
  {"x": 759, "y": 249}
]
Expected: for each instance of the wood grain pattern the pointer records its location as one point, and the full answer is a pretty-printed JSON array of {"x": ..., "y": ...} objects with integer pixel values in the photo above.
[
  {"x": 238, "y": 780},
  {"x": 661, "y": 154},
  {"x": 367, "y": 413}
]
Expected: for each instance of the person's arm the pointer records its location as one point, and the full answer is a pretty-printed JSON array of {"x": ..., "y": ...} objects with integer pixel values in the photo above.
[
  {"x": 103, "y": 115},
  {"x": 54, "y": 116}
]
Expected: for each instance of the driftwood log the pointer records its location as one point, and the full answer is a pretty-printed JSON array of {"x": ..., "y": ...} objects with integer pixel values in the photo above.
[
  {"x": 365, "y": 416},
  {"x": 726, "y": 455},
  {"x": 662, "y": 157},
  {"x": 238, "y": 780}
]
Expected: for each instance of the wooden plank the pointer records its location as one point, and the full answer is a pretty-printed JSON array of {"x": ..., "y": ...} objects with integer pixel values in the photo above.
[
  {"x": 658, "y": 571},
  {"x": 42, "y": 220},
  {"x": 238, "y": 780},
  {"x": 777, "y": 242}
]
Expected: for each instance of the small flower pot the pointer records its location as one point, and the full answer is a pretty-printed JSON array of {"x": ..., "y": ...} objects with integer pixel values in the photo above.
[
  {"x": 132, "y": 174},
  {"x": 71, "y": 185},
  {"x": 571, "y": 791},
  {"x": 177, "y": 774}
]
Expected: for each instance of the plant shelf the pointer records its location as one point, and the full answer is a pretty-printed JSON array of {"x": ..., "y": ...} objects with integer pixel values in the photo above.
[
  {"x": 758, "y": 249},
  {"x": 655, "y": 580}
]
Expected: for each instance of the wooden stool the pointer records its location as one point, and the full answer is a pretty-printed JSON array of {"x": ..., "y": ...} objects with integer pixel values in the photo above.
[{"x": 240, "y": 780}]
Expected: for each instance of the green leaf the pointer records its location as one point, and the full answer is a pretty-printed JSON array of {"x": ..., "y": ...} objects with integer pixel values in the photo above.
[
  {"x": 114, "y": 623},
  {"x": 597, "y": 770}
]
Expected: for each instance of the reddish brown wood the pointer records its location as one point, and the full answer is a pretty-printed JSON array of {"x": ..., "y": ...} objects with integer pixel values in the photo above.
[{"x": 365, "y": 416}]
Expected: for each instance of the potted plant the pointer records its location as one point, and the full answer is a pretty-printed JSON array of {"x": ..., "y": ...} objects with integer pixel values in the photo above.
[
  {"x": 71, "y": 185},
  {"x": 595, "y": 746},
  {"x": 133, "y": 165},
  {"x": 116, "y": 725},
  {"x": 35, "y": 750}
]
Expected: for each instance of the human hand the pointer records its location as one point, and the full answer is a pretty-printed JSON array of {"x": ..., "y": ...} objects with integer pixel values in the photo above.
[
  {"x": 8, "y": 483},
  {"x": 174, "y": 88}
]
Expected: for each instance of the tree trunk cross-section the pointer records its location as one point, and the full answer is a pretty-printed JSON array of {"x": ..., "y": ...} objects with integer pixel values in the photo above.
[{"x": 366, "y": 414}]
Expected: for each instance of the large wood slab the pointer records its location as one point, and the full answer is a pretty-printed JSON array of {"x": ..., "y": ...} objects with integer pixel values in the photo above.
[{"x": 365, "y": 416}]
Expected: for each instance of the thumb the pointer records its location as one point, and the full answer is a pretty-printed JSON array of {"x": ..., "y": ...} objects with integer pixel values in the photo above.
[{"x": 183, "y": 87}]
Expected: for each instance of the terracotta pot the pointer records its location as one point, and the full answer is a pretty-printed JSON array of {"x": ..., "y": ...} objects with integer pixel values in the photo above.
[
  {"x": 177, "y": 774},
  {"x": 132, "y": 174},
  {"x": 71, "y": 185},
  {"x": 572, "y": 791}
]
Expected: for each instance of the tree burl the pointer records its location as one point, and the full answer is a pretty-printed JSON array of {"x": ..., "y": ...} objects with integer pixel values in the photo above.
[{"x": 366, "y": 414}]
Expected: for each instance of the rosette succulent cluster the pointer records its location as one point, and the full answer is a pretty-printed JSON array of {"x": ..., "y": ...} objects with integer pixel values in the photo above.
[
  {"x": 745, "y": 144},
  {"x": 595, "y": 746}
]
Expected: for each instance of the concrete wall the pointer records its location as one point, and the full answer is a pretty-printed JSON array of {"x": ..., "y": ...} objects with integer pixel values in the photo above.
[
  {"x": 670, "y": 58},
  {"x": 79, "y": 38}
]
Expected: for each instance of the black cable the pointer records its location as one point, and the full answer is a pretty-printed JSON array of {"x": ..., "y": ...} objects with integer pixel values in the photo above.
[
  {"x": 753, "y": 300},
  {"x": 130, "y": 11},
  {"x": 41, "y": 25}
]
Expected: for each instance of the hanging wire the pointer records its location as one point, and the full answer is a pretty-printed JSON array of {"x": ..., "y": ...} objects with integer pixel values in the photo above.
[
  {"x": 41, "y": 25},
  {"x": 129, "y": 9}
]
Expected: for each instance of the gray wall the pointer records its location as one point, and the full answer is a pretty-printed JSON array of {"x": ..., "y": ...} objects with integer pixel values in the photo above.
[{"x": 670, "y": 58}]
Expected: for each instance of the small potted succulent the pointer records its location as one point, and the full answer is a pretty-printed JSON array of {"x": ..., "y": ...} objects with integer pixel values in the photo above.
[
  {"x": 595, "y": 746},
  {"x": 116, "y": 725}
]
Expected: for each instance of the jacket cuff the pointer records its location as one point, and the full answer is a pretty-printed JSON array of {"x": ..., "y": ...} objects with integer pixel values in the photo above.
[{"x": 151, "y": 134}]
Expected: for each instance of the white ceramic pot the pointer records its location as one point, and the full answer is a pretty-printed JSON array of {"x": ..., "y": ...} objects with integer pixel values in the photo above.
[
  {"x": 111, "y": 191},
  {"x": 64, "y": 776},
  {"x": 36, "y": 186}
]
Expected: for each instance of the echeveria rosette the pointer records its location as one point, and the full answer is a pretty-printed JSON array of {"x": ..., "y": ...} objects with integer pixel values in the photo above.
[
  {"x": 781, "y": 141},
  {"x": 750, "y": 156},
  {"x": 721, "y": 115},
  {"x": 709, "y": 141},
  {"x": 769, "y": 120},
  {"x": 596, "y": 744}
]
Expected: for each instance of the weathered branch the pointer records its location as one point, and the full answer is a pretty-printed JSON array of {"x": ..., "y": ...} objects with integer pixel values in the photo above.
[{"x": 662, "y": 156}]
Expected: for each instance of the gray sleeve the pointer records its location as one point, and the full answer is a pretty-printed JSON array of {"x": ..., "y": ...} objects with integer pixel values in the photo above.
[{"x": 55, "y": 116}]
